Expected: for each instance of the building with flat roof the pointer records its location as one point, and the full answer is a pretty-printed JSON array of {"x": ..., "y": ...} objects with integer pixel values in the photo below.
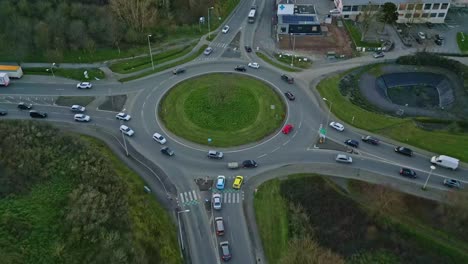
[{"x": 297, "y": 19}]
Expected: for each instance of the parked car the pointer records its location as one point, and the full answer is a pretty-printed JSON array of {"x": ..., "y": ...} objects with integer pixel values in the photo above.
[
  {"x": 379, "y": 54},
  {"x": 82, "y": 118},
  {"x": 77, "y": 108},
  {"x": 452, "y": 183},
  {"x": 408, "y": 173},
  {"x": 208, "y": 51},
  {"x": 126, "y": 130},
  {"x": 337, "y": 126},
  {"x": 226, "y": 253},
  {"x": 219, "y": 225},
  {"x": 37, "y": 114},
  {"x": 84, "y": 85},
  {"x": 158, "y": 138},
  {"x": 178, "y": 71},
  {"x": 240, "y": 68},
  {"x": 24, "y": 106},
  {"x": 343, "y": 158},
  {"x": 123, "y": 116},
  {"x": 215, "y": 154},
  {"x": 167, "y": 151},
  {"x": 3, "y": 112},
  {"x": 225, "y": 29},
  {"x": 404, "y": 151},
  {"x": 287, "y": 78},
  {"x": 429, "y": 25},
  {"x": 370, "y": 140},
  {"x": 217, "y": 201},
  {"x": 351, "y": 142},
  {"x": 438, "y": 42},
  {"x": 249, "y": 164},
  {"x": 220, "y": 182},
  {"x": 248, "y": 48},
  {"x": 287, "y": 129},
  {"x": 238, "y": 182},
  {"x": 290, "y": 96},
  {"x": 254, "y": 65},
  {"x": 421, "y": 35}
]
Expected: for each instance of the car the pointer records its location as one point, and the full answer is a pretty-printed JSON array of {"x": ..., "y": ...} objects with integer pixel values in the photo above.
[
  {"x": 238, "y": 182},
  {"x": 217, "y": 201},
  {"x": 290, "y": 96},
  {"x": 220, "y": 182},
  {"x": 452, "y": 183},
  {"x": 370, "y": 140},
  {"x": 126, "y": 130},
  {"x": 343, "y": 158},
  {"x": 225, "y": 29},
  {"x": 37, "y": 114},
  {"x": 123, "y": 116},
  {"x": 82, "y": 118},
  {"x": 287, "y": 78},
  {"x": 287, "y": 129},
  {"x": 215, "y": 154},
  {"x": 240, "y": 68},
  {"x": 84, "y": 85},
  {"x": 429, "y": 25},
  {"x": 77, "y": 108},
  {"x": 404, "y": 151},
  {"x": 438, "y": 42},
  {"x": 24, "y": 106},
  {"x": 167, "y": 151},
  {"x": 254, "y": 65},
  {"x": 208, "y": 51},
  {"x": 351, "y": 142},
  {"x": 226, "y": 253},
  {"x": 379, "y": 54},
  {"x": 421, "y": 35},
  {"x": 337, "y": 126},
  {"x": 248, "y": 48},
  {"x": 419, "y": 40},
  {"x": 158, "y": 138},
  {"x": 439, "y": 37},
  {"x": 178, "y": 71},
  {"x": 3, "y": 112},
  {"x": 219, "y": 225},
  {"x": 249, "y": 164},
  {"x": 408, "y": 173}
]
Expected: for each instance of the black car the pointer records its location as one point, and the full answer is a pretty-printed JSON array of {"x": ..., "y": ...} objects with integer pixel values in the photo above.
[
  {"x": 178, "y": 71},
  {"x": 290, "y": 96},
  {"x": 287, "y": 78},
  {"x": 249, "y": 164},
  {"x": 240, "y": 68},
  {"x": 370, "y": 140},
  {"x": 37, "y": 114},
  {"x": 248, "y": 49},
  {"x": 351, "y": 142},
  {"x": 24, "y": 106},
  {"x": 3, "y": 112},
  {"x": 404, "y": 151},
  {"x": 167, "y": 151},
  {"x": 429, "y": 25},
  {"x": 408, "y": 173},
  {"x": 439, "y": 42}
]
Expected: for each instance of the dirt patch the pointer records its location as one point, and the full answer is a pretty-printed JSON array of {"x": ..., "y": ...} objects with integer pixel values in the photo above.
[{"x": 114, "y": 103}]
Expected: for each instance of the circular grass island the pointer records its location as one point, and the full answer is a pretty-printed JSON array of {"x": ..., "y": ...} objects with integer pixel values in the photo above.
[{"x": 222, "y": 110}]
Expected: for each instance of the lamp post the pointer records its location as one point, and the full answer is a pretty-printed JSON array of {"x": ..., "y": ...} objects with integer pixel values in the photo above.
[
  {"x": 294, "y": 44},
  {"x": 180, "y": 229},
  {"x": 209, "y": 30},
  {"x": 149, "y": 47},
  {"x": 428, "y": 176},
  {"x": 329, "y": 110},
  {"x": 52, "y": 69}
]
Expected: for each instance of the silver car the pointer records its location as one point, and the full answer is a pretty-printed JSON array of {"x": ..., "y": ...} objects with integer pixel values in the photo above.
[
  {"x": 217, "y": 201},
  {"x": 343, "y": 158},
  {"x": 208, "y": 51}
]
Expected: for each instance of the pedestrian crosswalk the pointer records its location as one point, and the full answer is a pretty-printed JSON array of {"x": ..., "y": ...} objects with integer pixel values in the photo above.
[
  {"x": 188, "y": 198},
  {"x": 229, "y": 196},
  {"x": 218, "y": 44}
]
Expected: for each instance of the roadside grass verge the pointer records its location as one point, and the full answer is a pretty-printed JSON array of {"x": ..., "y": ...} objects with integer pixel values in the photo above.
[
  {"x": 462, "y": 41},
  {"x": 165, "y": 67},
  {"x": 271, "y": 215},
  {"x": 72, "y": 100},
  {"x": 403, "y": 130},
  {"x": 275, "y": 64},
  {"x": 140, "y": 63},
  {"x": 114, "y": 103},
  {"x": 298, "y": 61},
  {"x": 355, "y": 34},
  {"x": 75, "y": 74}
]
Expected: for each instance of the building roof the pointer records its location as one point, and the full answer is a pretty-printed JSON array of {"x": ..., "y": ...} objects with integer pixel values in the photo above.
[
  {"x": 288, "y": 9},
  {"x": 396, "y": 2},
  {"x": 301, "y": 20}
]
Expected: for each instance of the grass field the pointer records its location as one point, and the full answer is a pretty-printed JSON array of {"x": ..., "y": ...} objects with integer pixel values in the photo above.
[
  {"x": 402, "y": 130},
  {"x": 231, "y": 109},
  {"x": 75, "y": 74},
  {"x": 297, "y": 61},
  {"x": 462, "y": 41},
  {"x": 276, "y": 64},
  {"x": 355, "y": 34},
  {"x": 72, "y": 100}
]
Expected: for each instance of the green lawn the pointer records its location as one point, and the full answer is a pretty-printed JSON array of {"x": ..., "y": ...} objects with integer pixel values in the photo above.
[
  {"x": 271, "y": 215},
  {"x": 403, "y": 130},
  {"x": 462, "y": 41},
  {"x": 231, "y": 109},
  {"x": 140, "y": 63},
  {"x": 75, "y": 74},
  {"x": 355, "y": 34},
  {"x": 297, "y": 61},
  {"x": 72, "y": 100},
  {"x": 276, "y": 64}
]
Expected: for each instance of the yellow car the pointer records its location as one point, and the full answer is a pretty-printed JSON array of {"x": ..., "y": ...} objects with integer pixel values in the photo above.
[{"x": 238, "y": 182}]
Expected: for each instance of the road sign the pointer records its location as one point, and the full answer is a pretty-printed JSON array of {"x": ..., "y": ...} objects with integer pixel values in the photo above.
[{"x": 323, "y": 131}]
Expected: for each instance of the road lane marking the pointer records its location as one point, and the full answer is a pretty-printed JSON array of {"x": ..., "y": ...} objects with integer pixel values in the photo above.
[
  {"x": 275, "y": 149},
  {"x": 284, "y": 144},
  {"x": 261, "y": 156}
]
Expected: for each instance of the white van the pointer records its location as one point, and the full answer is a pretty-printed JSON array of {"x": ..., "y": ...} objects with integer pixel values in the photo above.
[{"x": 445, "y": 161}]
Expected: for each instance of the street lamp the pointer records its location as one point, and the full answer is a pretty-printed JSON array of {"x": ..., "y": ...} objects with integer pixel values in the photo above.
[
  {"x": 52, "y": 69},
  {"x": 430, "y": 172},
  {"x": 294, "y": 44},
  {"x": 209, "y": 30},
  {"x": 180, "y": 229},
  {"x": 329, "y": 110},
  {"x": 151, "y": 54}
]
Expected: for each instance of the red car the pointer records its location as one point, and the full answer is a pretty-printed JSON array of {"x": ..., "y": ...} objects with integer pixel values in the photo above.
[{"x": 287, "y": 129}]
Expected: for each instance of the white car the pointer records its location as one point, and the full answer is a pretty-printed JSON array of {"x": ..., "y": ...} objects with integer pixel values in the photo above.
[
  {"x": 421, "y": 35},
  {"x": 254, "y": 65},
  {"x": 123, "y": 116},
  {"x": 159, "y": 138},
  {"x": 208, "y": 51},
  {"x": 217, "y": 201},
  {"x": 77, "y": 108},
  {"x": 82, "y": 118},
  {"x": 337, "y": 126},
  {"x": 225, "y": 29},
  {"x": 84, "y": 85},
  {"x": 343, "y": 158},
  {"x": 126, "y": 130}
]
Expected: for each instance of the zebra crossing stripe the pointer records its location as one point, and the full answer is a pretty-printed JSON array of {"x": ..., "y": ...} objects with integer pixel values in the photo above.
[
  {"x": 194, "y": 195},
  {"x": 237, "y": 198},
  {"x": 229, "y": 197},
  {"x": 186, "y": 197},
  {"x": 182, "y": 198},
  {"x": 190, "y": 196}
]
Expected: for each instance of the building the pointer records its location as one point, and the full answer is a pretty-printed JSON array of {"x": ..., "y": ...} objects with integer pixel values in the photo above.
[
  {"x": 297, "y": 19},
  {"x": 409, "y": 11}
]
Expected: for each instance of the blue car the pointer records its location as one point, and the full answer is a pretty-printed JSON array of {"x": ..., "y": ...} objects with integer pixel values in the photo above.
[{"x": 220, "y": 182}]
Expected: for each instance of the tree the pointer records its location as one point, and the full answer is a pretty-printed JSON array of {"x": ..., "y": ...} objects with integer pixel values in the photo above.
[
  {"x": 307, "y": 251},
  {"x": 366, "y": 17},
  {"x": 137, "y": 14},
  {"x": 388, "y": 14},
  {"x": 455, "y": 211}
]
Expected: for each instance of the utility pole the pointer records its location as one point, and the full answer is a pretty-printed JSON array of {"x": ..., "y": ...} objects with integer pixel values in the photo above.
[{"x": 151, "y": 54}]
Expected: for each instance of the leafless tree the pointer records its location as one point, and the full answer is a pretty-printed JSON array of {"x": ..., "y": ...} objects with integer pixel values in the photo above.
[{"x": 138, "y": 14}]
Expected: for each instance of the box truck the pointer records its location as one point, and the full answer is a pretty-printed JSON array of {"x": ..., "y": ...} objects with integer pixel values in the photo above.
[
  {"x": 445, "y": 161},
  {"x": 12, "y": 70},
  {"x": 4, "y": 79}
]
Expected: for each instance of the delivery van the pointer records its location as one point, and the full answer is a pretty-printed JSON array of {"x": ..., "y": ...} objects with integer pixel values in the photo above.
[{"x": 445, "y": 161}]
